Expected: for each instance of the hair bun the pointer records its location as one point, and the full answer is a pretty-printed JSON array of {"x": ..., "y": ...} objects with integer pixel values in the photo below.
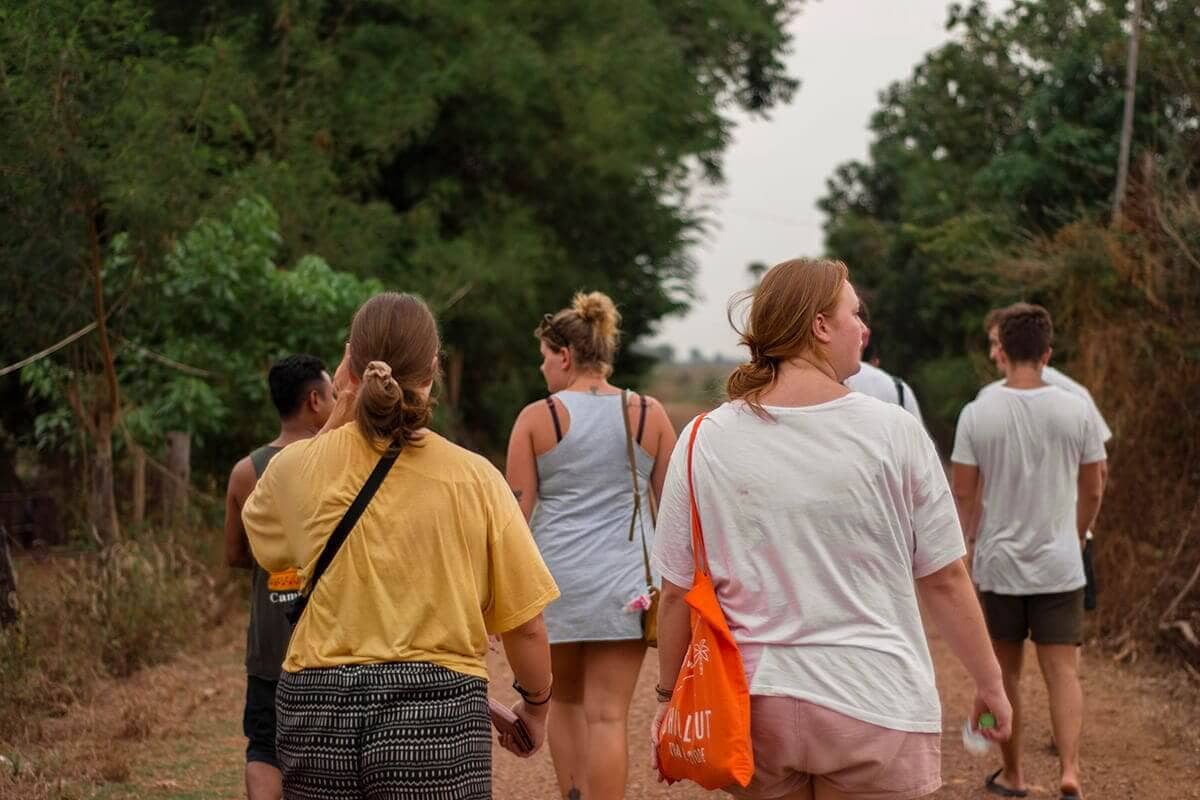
[{"x": 598, "y": 310}]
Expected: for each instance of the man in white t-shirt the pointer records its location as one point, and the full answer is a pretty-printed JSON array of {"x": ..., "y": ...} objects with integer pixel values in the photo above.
[
  {"x": 875, "y": 382},
  {"x": 1054, "y": 377},
  {"x": 1036, "y": 454}
]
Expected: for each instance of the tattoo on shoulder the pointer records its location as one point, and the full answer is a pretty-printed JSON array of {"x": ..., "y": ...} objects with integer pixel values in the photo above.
[{"x": 595, "y": 390}]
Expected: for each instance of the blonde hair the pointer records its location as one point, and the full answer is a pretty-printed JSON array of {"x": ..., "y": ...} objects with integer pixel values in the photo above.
[
  {"x": 393, "y": 342},
  {"x": 779, "y": 324},
  {"x": 589, "y": 327}
]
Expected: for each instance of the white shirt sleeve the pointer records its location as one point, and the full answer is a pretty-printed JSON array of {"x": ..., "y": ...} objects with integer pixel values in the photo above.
[
  {"x": 1102, "y": 428},
  {"x": 964, "y": 452},
  {"x": 672, "y": 557},
  {"x": 937, "y": 535},
  {"x": 1093, "y": 441},
  {"x": 910, "y": 403}
]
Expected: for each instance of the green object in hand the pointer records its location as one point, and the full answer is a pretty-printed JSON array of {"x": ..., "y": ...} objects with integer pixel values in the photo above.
[{"x": 986, "y": 720}]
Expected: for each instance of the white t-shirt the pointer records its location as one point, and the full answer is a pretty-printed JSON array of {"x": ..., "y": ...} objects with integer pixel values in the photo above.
[
  {"x": 874, "y": 382},
  {"x": 816, "y": 524},
  {"x": 1054, "y": 377},
  {"x": 1028, "y": 445}
]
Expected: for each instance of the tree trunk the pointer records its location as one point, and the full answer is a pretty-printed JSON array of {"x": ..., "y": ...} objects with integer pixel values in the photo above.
[
  {"x": 139, "y": 486},
  {"x": 1127, "y": 120},
  {"x": 179, "y": 454},
  {"x": 8, "y": 584},
  {"x": 107, "y": 407},
  {"x": 102, "y": 508}
]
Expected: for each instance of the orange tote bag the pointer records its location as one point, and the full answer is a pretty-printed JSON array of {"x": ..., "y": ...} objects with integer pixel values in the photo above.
[{"x": 705, "y": 736}]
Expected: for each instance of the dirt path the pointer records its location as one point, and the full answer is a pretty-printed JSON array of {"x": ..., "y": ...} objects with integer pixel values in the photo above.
[{"x": 174, "y": 731}]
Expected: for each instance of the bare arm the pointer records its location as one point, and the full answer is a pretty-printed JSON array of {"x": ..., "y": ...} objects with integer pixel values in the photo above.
[
  {"x": 950, "y": 601},
  {"x": 520, "y": 468},
  {"x": 527, "y": 649},
  {"x": 241, "y": 484},
  {"x": 1091, "y": 493},
  {"x": 965, "y": 484},
  {"x": 674, "y": 631},
  {"x": 664, "y": 445}
]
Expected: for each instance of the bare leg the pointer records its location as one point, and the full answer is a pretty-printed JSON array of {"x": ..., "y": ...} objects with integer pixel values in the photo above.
[
  {"x": 1011, "y": 655},
  {"x": 1060, "y": 668},
  {"x": 610, "y": 675},
  {"x": 263, "y": 782},
  {"x": 567, "y": 730}
]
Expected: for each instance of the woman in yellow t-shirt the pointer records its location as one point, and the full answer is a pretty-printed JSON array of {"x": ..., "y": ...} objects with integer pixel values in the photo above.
[{"x": 384, "y": 687}]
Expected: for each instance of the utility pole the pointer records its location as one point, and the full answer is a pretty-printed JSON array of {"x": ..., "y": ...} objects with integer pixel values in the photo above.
[{"x": 1127, "y": 121}]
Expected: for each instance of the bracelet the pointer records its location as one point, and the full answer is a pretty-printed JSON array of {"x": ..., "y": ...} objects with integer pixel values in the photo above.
[
  {"x": 526, "y": 694},
  {"x": 664, "y": 695}
]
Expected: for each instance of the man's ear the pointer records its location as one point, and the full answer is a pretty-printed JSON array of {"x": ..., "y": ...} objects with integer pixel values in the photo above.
[{"x": 1046, "y": 357}]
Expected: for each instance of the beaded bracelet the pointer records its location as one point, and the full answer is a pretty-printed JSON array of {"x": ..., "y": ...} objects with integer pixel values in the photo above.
[{"x": 664, "y": 695}]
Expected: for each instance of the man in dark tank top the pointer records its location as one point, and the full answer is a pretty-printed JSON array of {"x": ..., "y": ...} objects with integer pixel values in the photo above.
[{"x": 303, "y": 394}]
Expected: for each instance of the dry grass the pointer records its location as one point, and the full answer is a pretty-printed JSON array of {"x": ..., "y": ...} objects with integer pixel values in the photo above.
[
  {"x": 1130, "y": 299},
  {"x": 87, "y": 616}
]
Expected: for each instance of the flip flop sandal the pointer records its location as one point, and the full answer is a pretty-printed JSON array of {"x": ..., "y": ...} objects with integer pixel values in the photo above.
[{"x": 1003, "y": 791}]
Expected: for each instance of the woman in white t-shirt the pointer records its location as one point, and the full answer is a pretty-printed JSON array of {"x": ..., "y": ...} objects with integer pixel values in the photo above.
[{"x": 826, "y": 516}]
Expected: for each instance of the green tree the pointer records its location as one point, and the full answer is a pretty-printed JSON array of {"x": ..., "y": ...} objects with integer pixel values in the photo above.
[{"x": 1007, "y": 131}]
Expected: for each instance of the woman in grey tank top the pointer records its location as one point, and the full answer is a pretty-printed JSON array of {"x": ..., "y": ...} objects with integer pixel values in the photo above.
[{"x": 569, "y": 466}]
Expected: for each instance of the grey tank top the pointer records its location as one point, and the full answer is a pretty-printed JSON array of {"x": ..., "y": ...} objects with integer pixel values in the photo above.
[
  {"x": 270, "y": 598},
  {"x": 581, "y": 523}
]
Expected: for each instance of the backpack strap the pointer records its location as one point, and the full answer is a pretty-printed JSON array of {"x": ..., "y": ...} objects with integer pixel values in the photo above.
[
  {"x": 554, "y": 416},
  {"x": 899, "y": 390}
]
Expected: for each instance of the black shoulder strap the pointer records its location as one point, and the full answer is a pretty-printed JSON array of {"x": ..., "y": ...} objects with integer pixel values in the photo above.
[
  {"x": 899, "y": 391},
  {"x": 554, "y": 416},
  {"x": 349, "y": 519},
  {"x": 641, "y": 419}
]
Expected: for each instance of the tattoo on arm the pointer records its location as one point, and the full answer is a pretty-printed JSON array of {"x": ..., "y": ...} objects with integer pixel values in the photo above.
[
  {"x": 574, "y": 794},
  {"x": 518, "y": 493}
]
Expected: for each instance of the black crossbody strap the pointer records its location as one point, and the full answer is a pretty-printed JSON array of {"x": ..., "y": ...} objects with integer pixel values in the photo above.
[{"x": 347, "y": 523}]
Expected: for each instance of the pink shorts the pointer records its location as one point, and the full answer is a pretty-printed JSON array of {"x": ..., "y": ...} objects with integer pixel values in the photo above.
[{"x": 796, "y": 742}]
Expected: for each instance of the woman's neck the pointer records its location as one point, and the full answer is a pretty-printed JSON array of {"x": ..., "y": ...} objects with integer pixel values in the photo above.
[
  {"x": 591, "y": 383},
  {"x": 804, "y": 381}
]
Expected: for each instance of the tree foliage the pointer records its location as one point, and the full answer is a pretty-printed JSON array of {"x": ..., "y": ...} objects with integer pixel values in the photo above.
[
  {"x": 492, "y": 156},
  {"x": 1003, "y": 134}
]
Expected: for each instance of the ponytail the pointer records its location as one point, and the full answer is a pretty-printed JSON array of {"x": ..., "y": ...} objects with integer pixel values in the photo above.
[
  {"x": 393, "y": 344},
  {"x": 386, "y": 411}
]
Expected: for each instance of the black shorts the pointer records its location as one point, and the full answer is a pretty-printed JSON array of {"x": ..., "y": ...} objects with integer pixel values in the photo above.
[
  {"x": 1046, "y": 618},
  {"x": 258, "y": 721}
]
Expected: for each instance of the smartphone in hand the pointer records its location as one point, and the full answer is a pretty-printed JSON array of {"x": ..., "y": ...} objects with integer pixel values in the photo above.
[{"x": 505, "y": 721}]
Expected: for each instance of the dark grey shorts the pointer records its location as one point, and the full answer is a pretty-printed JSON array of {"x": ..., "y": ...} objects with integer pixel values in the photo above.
[
  {"x": 399, "y": 731},
  {"x": 1046, "y": 618}
]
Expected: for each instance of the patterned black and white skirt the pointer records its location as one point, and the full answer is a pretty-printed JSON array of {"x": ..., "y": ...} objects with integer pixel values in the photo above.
[{"x": 396, "y": 731}]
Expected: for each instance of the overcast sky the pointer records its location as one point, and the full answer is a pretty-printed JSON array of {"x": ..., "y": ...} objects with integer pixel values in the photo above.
[{"x": 843, "y": 52}]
